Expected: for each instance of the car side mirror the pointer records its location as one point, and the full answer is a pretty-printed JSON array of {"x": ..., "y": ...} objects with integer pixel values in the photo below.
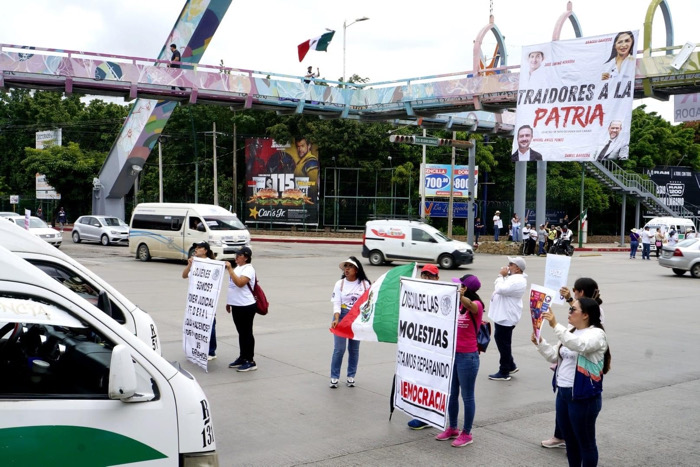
[
  {"x": 122, "y": 374},
  {"x": 104, "y": 304},
  {"x": 200, "y": 228}
]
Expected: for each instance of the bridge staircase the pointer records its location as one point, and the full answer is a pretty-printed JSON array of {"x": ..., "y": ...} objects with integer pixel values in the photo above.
[{"x": 615, "y": 178}]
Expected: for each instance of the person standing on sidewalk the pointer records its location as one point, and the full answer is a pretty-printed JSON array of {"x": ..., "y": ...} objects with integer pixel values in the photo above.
[
  {"x": 240, "y": 302},
  {"x": 62, "y": 218},
  {"x": 352, "y": 284},
  {"x": 466, "y": 364},
  {"x": 505, "y": 311},
  {"x": 497, "y": 225},
  {"x": 583, "y": 357},
  {"x": 647, "y": 237},
  {"x": 203, "y": 250},
  {"x": 583, "y": 287},
  {"x": 634, "y": 243}
]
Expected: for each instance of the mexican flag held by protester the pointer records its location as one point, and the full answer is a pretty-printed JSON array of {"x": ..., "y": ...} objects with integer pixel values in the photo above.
[{"x": 375, "y": 315}]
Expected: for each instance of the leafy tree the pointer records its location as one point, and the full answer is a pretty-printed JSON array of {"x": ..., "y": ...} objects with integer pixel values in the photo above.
[{"x": 70, "y": 170}]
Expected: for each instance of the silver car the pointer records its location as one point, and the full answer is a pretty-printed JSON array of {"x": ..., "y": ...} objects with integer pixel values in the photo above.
[
  {"x": 104, "y": 229},
  {"x": 684, "y": 256}
]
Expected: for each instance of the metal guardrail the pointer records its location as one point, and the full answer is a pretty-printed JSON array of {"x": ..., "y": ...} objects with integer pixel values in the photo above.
[{"x": 636, "y": 185}]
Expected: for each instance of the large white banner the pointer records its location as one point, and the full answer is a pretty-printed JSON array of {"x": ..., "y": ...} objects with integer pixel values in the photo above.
[
  {"x": 205, "y": 280},
  {"x": 686, "y": 107},
  {"x": 575, "y": 99},
  {"x": 426, "y": 348}
]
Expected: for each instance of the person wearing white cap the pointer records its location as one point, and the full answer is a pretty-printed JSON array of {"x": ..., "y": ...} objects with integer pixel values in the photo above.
[
  {"x": 347, "y": 291},
  {"x": 497, "y": 225},
  {"x": 505, "y": 311},
  {"x": 634, "y": 243}
]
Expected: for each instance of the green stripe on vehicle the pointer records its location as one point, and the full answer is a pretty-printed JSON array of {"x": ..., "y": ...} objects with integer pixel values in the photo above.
[{"x": 75, "y": 446}]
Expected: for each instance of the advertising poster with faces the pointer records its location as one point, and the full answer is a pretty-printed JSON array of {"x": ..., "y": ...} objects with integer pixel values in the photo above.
[
  {"x": 575, "y": 99},
  {"x": 281, "y": 181}
]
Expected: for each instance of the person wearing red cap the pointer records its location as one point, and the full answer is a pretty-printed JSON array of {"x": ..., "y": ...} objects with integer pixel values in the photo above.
[{"x": 466, "y": 363}]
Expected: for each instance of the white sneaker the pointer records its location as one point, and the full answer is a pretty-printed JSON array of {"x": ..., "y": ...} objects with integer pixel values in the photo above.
[
  {"x": 211, "y": 357},
  {"x": 334, "y": 383},
  {"x": 351, "y": 382},
  {"x": 553, "y": 443}
]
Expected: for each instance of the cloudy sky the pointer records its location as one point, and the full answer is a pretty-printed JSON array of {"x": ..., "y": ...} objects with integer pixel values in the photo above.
[{"x": 402, "y": 39}]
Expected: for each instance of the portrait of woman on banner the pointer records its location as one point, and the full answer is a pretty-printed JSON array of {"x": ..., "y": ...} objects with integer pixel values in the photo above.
[{"x": 621, "y": 65}]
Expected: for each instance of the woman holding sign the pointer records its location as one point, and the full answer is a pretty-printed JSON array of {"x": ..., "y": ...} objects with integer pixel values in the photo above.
[
  {"x": 202, "y": 250},
  {"x": 466, "y": 365},
  {"x": 583, "y": 287},
  {"x": 583, "y": 357}
]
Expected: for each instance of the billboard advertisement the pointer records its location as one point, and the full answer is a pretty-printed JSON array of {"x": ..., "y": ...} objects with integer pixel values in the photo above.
[
  {"x": 281, "y": 181},
  {"x": 44, "y": 139},
  {"x": 437, "y": 179},
  {"x": 677, "y": 186},
  {"x": 575, "y": 99}
]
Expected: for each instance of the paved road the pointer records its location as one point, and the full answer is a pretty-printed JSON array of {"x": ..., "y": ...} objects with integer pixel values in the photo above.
[{"x": 285, "y": 414}]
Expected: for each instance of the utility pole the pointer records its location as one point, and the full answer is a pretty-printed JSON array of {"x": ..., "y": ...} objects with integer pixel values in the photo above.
[
  {"x": 235, "y": 173},
  {"x": 216, "y": 182},
  {"x": 452, "y": 188}
]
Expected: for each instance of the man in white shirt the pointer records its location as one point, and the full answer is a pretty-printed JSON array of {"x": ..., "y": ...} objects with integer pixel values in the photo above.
[
  {"x": 505, "y": 311},
  {"x": 497, "y": 225},
  {"x": 647, "y": 238}
]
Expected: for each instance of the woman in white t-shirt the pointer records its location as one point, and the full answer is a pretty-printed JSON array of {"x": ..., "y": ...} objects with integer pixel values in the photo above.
[
  {"x": 241, "y": 304},
  {"x": 352, "y": 284}
]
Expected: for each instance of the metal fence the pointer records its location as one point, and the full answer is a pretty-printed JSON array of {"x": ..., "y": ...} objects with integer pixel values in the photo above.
[{"x": 351, "y": 196}]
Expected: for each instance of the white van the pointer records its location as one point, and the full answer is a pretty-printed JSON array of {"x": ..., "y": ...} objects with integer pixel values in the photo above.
[
  {"x": 81, "y": 280},
  {"x": 168, "y": 230},
  {"x": 679, "y": 224},
  {"x": 77, "y": 388},
  {"x": 388, "y": 240}
]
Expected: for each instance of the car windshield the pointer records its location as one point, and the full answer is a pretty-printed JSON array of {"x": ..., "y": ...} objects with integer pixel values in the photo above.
[
  {"x": 112, "y": 221},
  {"x": 224, "y": 223},
  {"x": 442, "y": 237},
  {"x": 34, "y": 223},
  {"x": 688, "y": 242}
]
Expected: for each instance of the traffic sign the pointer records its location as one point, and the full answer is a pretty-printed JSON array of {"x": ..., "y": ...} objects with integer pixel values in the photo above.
[{"x": 426, "y": 140}]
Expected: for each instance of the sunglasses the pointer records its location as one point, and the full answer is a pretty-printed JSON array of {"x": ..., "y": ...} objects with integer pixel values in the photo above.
[
  {"x": 572, "y": 309},
  {"x": 427, "y": 275},
  {"x": 348, "y": 265}
]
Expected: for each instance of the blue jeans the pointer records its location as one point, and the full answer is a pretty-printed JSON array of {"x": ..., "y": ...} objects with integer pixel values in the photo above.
[
  {"x": 503, "y": 335},
  {"x": 339, "y": 344},
  {"x": 516, "y": 234},
  {"x": 576, "y": 419},
  {"x": 466, "y": 367},
  {"x": 633, "y": 249},
  {"x": 646, "y": 250},
  {"x": 496, "y": 231},
  {"x": 541, "y": 252}
]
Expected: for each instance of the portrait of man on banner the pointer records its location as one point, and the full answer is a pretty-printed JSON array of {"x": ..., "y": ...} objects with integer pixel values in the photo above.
[{"x": 281, "y": 181}]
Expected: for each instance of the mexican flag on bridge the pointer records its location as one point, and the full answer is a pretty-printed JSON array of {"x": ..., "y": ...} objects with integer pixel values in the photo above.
[{"x": 375, "y": 315}]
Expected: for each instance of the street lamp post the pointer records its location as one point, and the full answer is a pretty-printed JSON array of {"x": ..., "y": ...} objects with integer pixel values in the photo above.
[{"x": 345, "y": 26}]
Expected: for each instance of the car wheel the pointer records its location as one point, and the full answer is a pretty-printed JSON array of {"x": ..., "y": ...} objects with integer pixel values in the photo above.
[
  {"x": 695, "y": 270},
  {"x": 446, "y": 262},
  {"x": 376, "y": 258},
  {"x": 76, "y": 237},
  {"x": 678, "y": 272},
  {"x": 142, "y": 253},
  {"x": 104, "y": 240}
]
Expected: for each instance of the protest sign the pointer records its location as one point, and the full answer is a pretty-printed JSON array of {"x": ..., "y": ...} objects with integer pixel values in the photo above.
[
  {"x": 426, "y": 346},
  {"x": 556, "y": 274},
  {"x": 205, "y": 279},
  {"x": 540, "y": 301}
]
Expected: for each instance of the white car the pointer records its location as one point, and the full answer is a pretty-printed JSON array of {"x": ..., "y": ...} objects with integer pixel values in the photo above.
[
  {"x": 40, "y": 229},
  {"x": 103, "y": 229}
]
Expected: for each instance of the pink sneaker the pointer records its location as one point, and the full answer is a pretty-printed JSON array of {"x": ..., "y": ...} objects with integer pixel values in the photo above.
[
  {"x": 449, "y": 433},
  {"x": 463, "y": 439}
]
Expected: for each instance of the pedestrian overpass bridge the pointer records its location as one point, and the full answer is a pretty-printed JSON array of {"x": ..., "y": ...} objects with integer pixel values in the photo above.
[{"x": 480, "y": 99}]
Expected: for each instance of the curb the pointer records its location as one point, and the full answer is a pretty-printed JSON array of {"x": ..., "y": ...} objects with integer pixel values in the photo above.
[{"x": 349, "y": 241}]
